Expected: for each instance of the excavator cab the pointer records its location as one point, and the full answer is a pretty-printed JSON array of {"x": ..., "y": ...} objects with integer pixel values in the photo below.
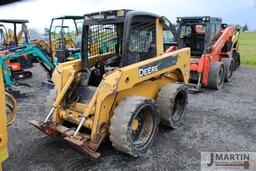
[
  {"x": 9, "y": 29},
  {"x": 11, "y": 40},
  {"x": 65, "y": 31},
  {"x": 64, "y": 38}
]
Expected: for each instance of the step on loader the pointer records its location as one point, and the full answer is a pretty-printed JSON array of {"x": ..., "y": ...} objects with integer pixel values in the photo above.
[
  {"x": 123, "y": 91},
  {"x": 214, "y": 50}
]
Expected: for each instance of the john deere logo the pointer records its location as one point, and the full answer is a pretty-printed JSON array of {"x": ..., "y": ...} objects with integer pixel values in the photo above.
[
  {"x": 147, "y": 71},
  {"x": 157, "y": 66}
]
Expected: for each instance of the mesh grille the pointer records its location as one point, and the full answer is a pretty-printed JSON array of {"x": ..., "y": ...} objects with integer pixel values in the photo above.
[
  {"x": 102, "y": 40},
  {"x": 142, "y": 39}
]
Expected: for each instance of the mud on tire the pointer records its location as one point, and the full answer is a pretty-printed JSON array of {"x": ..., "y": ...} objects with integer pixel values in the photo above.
[
  {"x": 216, "y": 75},
  {"x": 134, "y": 125},
  {"x": 172, "y": 101},
  {"x": 228, "y": 68}
]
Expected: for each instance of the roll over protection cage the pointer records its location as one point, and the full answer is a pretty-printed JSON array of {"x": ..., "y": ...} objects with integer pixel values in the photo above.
[{"x": 111, "y": 17}]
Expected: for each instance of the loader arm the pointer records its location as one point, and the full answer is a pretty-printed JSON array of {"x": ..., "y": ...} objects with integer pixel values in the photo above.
[
  {"x": 43, "y": 44},
  {"x": 139, "y": 72},
  {"x": 216, "y": 48}
]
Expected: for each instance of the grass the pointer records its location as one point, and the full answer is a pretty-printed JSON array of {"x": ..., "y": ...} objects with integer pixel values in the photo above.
[{"x": 247, "y": 48}]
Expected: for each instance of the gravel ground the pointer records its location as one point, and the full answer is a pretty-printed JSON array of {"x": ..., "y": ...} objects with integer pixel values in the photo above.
[{"x": 221, "y": 120}]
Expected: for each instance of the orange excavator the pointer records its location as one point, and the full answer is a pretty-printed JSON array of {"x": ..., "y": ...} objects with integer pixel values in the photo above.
[{"x": 214, "y": 50}]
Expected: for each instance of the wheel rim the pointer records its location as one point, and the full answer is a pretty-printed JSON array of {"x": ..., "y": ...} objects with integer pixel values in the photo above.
[
  {"x": 220, "y": 76},
  {"x": 142, "y": 126},
  {"x": 179, "y": 106}
]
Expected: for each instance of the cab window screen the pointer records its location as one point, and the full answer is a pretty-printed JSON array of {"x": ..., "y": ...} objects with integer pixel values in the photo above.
[
  {"x": 142, "y": 39},
  {"x": 102, "y": 40}
]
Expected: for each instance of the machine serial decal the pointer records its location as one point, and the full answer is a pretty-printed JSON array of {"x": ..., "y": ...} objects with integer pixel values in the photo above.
[{"x": 157, "y": 66}]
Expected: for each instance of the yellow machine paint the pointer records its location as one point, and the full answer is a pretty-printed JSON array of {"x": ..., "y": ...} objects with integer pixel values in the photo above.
[
  {"x": 69, "y": 43},
  {"x": 96, "y": 112},
  {"x": 235, "y": 41},
  {"x": 3, "y": 123}
]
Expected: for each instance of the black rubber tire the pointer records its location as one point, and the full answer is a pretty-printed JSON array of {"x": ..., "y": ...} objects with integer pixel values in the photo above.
[
  {"x": 121, "y": 134},
  {"x": 216, "y": 76},
  {"x": 228, "y": 68},
  {"x": 172, "y": 101},
  {"x": 236, "y": 58}
]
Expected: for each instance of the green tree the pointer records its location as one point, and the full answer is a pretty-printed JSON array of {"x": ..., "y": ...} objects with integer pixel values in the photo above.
[
  {"x": 46, "y": 31},
  {"x": 245, "y": 27},
  {"x": 238, "y": 26}
]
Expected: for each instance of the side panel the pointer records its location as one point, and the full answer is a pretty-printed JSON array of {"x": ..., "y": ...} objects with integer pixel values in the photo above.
[
  {"x": 147, "y": 89},
  {"x": 3, "y": 128},
  {"x": 154, "y": 67}
]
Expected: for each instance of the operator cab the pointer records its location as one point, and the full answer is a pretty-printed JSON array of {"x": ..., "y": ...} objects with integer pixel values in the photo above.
[
  {"x": 199, "y": 33},
  {"x": 118, "y": 38},
  {"x": 64, "y": 37},
  {"x": 13, "y": 33},
  {"x": 3, "y": 37}
]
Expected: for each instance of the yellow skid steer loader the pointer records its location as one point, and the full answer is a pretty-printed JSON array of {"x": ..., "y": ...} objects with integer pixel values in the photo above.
[{"x": 124, "y": 85}]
